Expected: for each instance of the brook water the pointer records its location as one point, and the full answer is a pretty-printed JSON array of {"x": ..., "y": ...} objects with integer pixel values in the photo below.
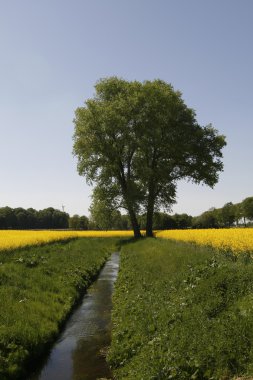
[{"x": 79, "y": 353}]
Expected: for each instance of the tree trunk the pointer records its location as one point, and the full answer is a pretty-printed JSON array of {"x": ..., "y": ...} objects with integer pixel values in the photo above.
[
  {"x": 151, "y": 200},
  {"x": 130, "y": 208},
  {"x": 149, "y": 223},
  {"x": 134, "y": 222},
  {"x": 150, "y": 214}
]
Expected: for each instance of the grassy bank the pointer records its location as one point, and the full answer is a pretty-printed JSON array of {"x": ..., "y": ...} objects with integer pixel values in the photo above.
[
  {"x": 182, "y": 312},
  {"x": 38, "y": 288}
]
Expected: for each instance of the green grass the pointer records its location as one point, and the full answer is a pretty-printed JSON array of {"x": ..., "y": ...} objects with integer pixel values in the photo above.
[
  {"x": 38, "y": 288},
  {"x": 181, "y": 312}
]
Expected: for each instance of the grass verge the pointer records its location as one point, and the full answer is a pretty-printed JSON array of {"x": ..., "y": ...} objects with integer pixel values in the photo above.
[
  {"x": 38, "y": 288},
  {"x": 182, "y": 312}
]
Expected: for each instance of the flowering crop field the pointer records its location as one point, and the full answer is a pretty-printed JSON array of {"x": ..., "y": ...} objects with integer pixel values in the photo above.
[
  {"x": 11, "y": 239},
  {"x": 237, "y": 240}
]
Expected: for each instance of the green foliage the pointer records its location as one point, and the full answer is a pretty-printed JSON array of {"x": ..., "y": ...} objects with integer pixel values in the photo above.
[
  {"x": 103, "y": 215},
  {"x": 226, "y": 216},
  {"x": 182, "y": 221},
  {"x": 163, "y": 221},
  {"x": 247, "y": 208},
  {"x": 38, "y": 288},
  {"x": 19, "y": 218},
  {"x": 136, "y": 140},
  {"x": 181, "y": 312},
  {"x": 77, "y": 222},
  {"x": 206, "y": 220}
]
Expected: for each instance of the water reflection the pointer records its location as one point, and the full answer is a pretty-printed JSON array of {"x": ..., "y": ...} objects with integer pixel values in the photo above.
[{"x": 79, "y": 353}]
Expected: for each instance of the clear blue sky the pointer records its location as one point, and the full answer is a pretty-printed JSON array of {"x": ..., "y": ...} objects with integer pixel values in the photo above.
[{"x": 53, "y": 52}]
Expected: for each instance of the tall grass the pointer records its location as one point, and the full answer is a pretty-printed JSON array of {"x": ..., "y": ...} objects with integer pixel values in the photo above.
[
  {"x": 38, "y": 288},
  {"x": 182, "y": 312}
]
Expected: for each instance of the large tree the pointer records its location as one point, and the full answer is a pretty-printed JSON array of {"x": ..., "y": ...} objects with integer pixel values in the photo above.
[{"x": 136, "y": 140}]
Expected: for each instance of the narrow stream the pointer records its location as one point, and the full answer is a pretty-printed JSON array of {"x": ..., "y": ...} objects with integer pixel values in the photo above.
[{"x": 79, "y": 353}]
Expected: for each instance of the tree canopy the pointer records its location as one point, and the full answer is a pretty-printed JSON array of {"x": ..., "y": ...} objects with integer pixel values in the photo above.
[
  {"x": 247, "y": 208},
  {"x": 31, "y": 219},
  {"x": 136, "y": 140},
  {"x": 103, "y": 215}
]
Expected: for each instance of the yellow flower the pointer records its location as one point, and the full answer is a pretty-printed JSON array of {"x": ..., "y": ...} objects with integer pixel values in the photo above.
[
  {"x": 236, "y": 240},
  {"x": 11, "y": 239}
]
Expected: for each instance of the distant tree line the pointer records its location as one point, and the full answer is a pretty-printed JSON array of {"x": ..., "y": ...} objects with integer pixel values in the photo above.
[
  {"x": 106, "y": 218},
  {"x": 227, "y": 216},
  {"x": 118, "y": 221},
  {"x": 103, "y": 217},
  {"x": 19, "y": 218},
  {"x": 100, "y": 219}
]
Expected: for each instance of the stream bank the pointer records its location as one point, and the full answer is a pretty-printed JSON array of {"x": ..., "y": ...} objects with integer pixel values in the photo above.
[{"x": 79, "y": 353}]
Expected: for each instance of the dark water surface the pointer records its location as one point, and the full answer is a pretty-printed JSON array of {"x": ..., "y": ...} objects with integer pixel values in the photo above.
[{"x": 79, "y": 353}]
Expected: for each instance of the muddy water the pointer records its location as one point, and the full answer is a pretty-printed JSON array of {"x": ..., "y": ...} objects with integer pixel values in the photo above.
[{"x": 79, "y": 353}]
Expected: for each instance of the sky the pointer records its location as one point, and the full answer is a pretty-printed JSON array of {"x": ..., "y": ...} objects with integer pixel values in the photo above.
[{"x": 54, "y": 51}]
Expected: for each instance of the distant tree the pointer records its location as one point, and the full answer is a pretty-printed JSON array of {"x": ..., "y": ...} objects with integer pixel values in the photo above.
[
  {"x": 206, "y": 220},
  {"x": 182, "y": 221},
  {"x": 227, "y": 214},
  {"x": 238, "y": 212},
  {"x": 195, "y": 222},
  {"x": 22, "y": 218},
  {"x": 83, "y": 223},
  {"x": 59, "y": 219},
  {"x": 77, "y": 222},
  {"x": 52, "y": 218},
  {"x": 7, "y": 218},
  {"x": 102, "y": 215},
  {"x": 163, "y": 221},
  {"x": 74, "y": 222},
  {"x": 45, "y": 218},
  {"x": 169, "y": 222},
  {"x": 32, "y": 218},
  {"x": 136, "y": 140},
  {"x": 247, "y": 208}
]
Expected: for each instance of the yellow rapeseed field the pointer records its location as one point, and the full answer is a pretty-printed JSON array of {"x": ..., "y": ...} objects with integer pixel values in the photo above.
[
  {"x": 11, "y": 239},
  {"x": 237, "y": 240},
  {"x": 230, "y": 239}
]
